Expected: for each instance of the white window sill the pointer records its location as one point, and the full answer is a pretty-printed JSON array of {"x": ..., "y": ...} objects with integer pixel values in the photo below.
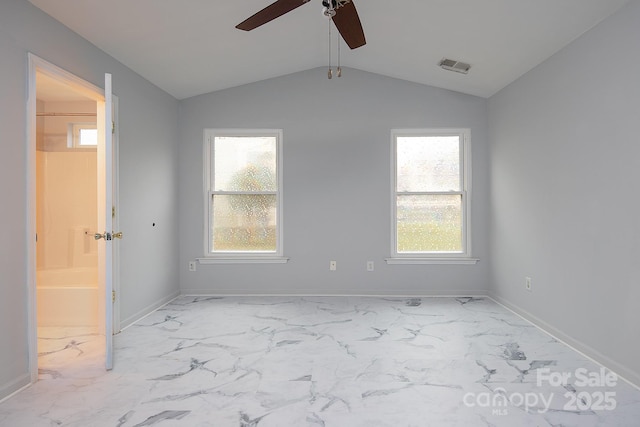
[
  {"x": 244, "y": 260},
  {"x": 444, "y": 260}
]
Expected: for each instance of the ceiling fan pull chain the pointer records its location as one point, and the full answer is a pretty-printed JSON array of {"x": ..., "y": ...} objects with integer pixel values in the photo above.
[
  {"x": 339, "y": 70},
  {"x": 330, "y": 72}
]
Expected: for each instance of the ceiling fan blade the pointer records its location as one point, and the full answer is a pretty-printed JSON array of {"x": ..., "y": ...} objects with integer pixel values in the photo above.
[
  {"x": 348, "y": 23},
  {"x": 270, "y": 13}
]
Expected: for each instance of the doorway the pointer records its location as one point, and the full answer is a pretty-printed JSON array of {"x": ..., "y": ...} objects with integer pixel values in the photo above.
[
  {"x": 66, "y": 220},
  {"x": 67, "y": 266}
]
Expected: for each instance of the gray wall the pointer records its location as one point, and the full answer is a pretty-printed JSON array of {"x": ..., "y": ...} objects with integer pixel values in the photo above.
[
  {"x": 565, "y": 169},
  {"x": 148, "y": 174},
  {"x": 336, "y": 183}
]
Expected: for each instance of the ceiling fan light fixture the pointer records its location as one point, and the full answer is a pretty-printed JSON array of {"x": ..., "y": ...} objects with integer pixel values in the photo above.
[
  {"x": 343, "y": 13},
  {"x": 453, "y": 65}
]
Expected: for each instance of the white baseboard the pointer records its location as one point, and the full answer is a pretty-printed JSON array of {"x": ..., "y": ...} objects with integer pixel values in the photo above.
[
  {"x": 398, "y": 293},
  {"x": 14, "y": 387},
  {"x": 626, "y": 374},
  {"x": 124, "y": 323}
]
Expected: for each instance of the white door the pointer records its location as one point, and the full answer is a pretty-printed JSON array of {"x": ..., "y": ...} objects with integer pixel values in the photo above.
[{"x": 105, "y": 217}]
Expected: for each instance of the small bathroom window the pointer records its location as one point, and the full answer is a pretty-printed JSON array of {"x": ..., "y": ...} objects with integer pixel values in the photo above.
[{"x": 82, "y": 135}]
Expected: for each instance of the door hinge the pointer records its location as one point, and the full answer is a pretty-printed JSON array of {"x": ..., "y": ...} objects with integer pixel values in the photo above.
[
  {"x": 113, "y": 296},
  {"x": 113, "y": 127},
  {"x": 113, "y": 211}
]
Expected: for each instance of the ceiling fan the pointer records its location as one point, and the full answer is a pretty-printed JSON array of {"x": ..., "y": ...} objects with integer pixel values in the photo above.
[{"x": 342, "y": 12}]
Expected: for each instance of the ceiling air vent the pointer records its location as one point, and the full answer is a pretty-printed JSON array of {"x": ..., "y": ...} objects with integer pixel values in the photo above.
[{"x": 453, "y": 65}]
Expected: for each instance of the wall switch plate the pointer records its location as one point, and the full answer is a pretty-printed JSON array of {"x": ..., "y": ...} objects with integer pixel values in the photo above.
[
  {"x": 332, "y": 265},
  {"x": 369, "y": 265},
  {"x": 192, "y": 266},
  {"x": 527, "y": 284}
]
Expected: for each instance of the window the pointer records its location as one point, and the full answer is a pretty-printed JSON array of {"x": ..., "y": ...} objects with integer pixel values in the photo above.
[
  {"x": 431, "y": 193},
  {"x": 82, "y": 135},
  {"x": 243, "y": 206}
]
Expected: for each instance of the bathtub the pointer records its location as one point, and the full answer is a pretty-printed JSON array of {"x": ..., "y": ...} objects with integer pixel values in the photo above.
[{"x": 67, "y": 297}]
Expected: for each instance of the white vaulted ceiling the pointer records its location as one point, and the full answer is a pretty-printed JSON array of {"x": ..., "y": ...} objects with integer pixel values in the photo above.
[{"x": 191, "y": 47}]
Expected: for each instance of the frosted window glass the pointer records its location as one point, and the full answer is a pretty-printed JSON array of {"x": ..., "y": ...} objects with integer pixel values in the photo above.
[
  {"x": 89, "y": 137},
  {"x": 428, "y": 163},
  {"x": 245, "y": 163},
  {"x": 244, "y": 222},
  {"x": 429, "y": 223}
]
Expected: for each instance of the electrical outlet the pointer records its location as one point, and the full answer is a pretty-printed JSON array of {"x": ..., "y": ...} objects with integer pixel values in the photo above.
[
  {"x": 527, "y": 284},
  {"x": 192, "y": 266},
  {"x": 332, "y": 265},
  {"x": 369, "y": 265}
]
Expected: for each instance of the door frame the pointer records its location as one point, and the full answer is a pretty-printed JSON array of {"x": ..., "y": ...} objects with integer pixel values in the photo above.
[{"x": 37, "y": 64}]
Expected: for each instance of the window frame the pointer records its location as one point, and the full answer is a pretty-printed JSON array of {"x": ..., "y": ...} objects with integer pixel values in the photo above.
[
  {"x": 463, "y": 257},
  {"x": 214, "y": 257}
]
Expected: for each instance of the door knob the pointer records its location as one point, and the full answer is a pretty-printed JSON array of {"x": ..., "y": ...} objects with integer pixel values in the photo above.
[
  {"x": 99, "y": 236},
  {"x": 117, "y": 235}
]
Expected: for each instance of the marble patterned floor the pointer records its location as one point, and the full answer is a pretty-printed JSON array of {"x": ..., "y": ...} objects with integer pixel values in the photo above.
[
  {"x": 68, "y": 352},
  {"x": 327, "y": 361}
]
